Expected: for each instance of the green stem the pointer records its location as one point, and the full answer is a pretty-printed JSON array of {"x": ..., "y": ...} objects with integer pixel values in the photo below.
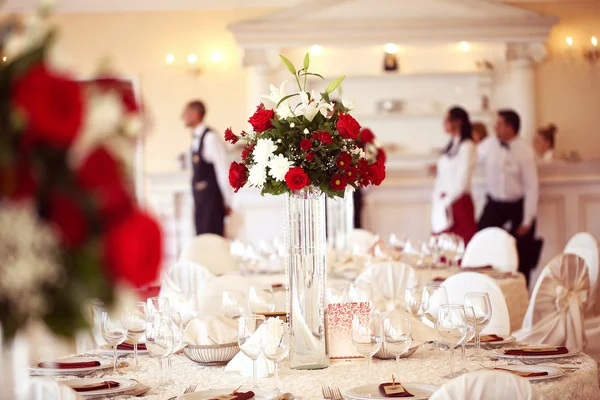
[
  {"x": 298, "y": 81},
  {"x": 305, "y": 80}
]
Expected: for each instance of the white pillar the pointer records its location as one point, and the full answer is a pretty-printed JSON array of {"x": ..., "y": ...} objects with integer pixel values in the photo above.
[{"x": 258, "y": 74}]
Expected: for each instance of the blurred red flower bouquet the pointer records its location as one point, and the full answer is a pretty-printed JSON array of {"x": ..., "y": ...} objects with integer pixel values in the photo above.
[{"x": 70, "y": 229}]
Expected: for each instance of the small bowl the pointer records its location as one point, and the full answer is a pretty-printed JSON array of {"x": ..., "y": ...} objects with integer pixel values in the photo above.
[
  {"x": 383, "y": 354},
  {"x": 218, "y": 354}
]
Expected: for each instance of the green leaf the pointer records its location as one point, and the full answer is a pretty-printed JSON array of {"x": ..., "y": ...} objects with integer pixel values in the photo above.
[
  {"x": 288, "y": 64},
  {"x": 285, "y": 98},
  {"x": 313, "y": 74},
  {"x": 306, "y": 62},
  {"x": 325, "y": 96},
  {"x": 334, "y": 85}
]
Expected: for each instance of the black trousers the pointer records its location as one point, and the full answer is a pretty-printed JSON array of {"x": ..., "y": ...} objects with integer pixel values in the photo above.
[
  {"x": 497, "y": 214},
  {"x": 358, "y": 206}
]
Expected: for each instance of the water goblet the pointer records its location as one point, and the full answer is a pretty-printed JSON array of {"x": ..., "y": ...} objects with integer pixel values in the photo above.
[
  {"x": 452, "y": 327},
  {"x": 397, "y": 336},
  {"x": 472, "y": 325},
  {"x": 483, "y": 313},
  {"x": 276, "y": 344},
  {"x": 160, "y": 339},
  {"x": 157, "y": 304},
  {"x": 433, "y": 297},
  {"x": 366, "y": 335},
  {"x": 412, "y": 300},
  {"x": 261, "y": 299},
  {"x": 135, "y": 322},
  {"x": 114, "y": 333},
  {"x": 232, "y": 303},
  {"x": 249, "y": 339}
]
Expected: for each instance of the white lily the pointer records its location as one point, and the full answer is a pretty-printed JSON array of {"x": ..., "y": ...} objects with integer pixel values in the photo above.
[
  {"x": 284, "y": 111},
  {"x": 325, "y": 108},
  {"x": 308, "y": 108},
  {"x": 276, "y": 94},
  {"x": 348, "y": 104}
]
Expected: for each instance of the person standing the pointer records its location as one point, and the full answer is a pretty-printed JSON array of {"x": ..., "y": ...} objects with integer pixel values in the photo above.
[
  {"x": 512, "y": 187},
  {"x": 543, "y": 143},
  {"x": 452, "y": 208},
  {"x": 210, "y": 183}
]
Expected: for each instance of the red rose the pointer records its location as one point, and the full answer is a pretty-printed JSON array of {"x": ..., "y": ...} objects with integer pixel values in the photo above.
[
  {"x": 123, "y": 88},
  {"x": 230, "y": 136},
  {"x": 352, "y": 174},
  {"x": 305, "y": 144},
  {"x": 133, "y": 249},
  {"x": 338, "y": 182},
  {"x": 261, "y": 120},
  {"x": 348, "y": 127},
  {"x": 366, "y": 135},
  {"x": 344, "y": 161},
  {"x": 310, "y": 156},
  {"x": 52, "y": 106},
  {"x": 381, "y": 155},
  {"x": 247, "y": 151},
  {"x": 238, "y": 176},
  {"x": 296, "y": 178},
  {"x": 17, "y": 182},
  {"x": 323, "y": 137},
  {"x": 67, "y": 216},
  {"x": 377, "y": 172},
  {"x": 101, "y": 175}
]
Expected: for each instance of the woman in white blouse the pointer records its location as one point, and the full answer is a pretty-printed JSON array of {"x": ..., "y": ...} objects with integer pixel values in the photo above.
[{"x": 452, "y": 206}]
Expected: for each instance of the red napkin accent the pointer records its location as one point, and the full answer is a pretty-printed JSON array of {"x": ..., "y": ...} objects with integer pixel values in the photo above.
[
  {"x": 236, "y": 396},
  {"x": 533, "y": 352},
  {"x": 523, "y": 373},
  {"x": 69, "y": 365},
  {"x": 476, "y": 269},
  {"x": 277, "y": 285},
  {"x": 97, "y": 386},
  {"x": 129, "y": 346},
  {"x": 406, "y": 393},
  {"x": 438, "y": 279}
]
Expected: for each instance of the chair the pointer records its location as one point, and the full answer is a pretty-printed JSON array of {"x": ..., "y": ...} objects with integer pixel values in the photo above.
[
  {"x": 585, "y": 246},
  {"x": 211, "y": 251},
  {"x": 492, "y": 246},
  {"x": 489, "y": 385},
  {"x": 49, "y": 389},
  {"x": 460, "y": 284},
  {"x": 389, "y": 282},
  {"x": 555, "y": 313}
]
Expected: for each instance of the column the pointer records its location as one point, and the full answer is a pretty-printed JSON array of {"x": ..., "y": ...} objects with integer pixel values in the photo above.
[{"x": 258, "y": 72}]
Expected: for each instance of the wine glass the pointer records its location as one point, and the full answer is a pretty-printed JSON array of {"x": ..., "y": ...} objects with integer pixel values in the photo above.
[
  {"x": 177, "y": 327},
  {"x": 483, "y": 313},
  {"x": 261, "y": 299},
  {"x": 361, "y": 292},
  {"x": 397, "y": 336},
  {"x": 135, "y": 322},
  {"x": 396, "y": 243},
  {"x": 433, "y": 297},
  {"x": 232, "y": 303},
  {"x": 276, "y": 344},
  {"x": 412, "y": 300},
  {"x": 249, "y": 339},
  {"x": 366, "y": 335},
  {"x": 472, "y": 325},
  {"x": 157, "y": 304},
  {"x": 114, "y": 333},
  {"x": 160, "y": 339},
  {"x": 452, "y": 327}
]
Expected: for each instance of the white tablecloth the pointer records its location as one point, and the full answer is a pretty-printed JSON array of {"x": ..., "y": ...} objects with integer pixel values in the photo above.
[{"x": 425, "y": 366}]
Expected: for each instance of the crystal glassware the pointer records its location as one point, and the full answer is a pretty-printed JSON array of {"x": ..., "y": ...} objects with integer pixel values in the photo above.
[
  {"x": 157, "y": 304},
  {"x": 452, "y": 327},
  {"x": 276, "y": 344},
  {"x": 160, "y": 339},
  {"x": 249, "y": 339},
  {"x": 114, "y": 333},
  {"x": 397, "y": 336},
  {"x": 472, "y": 325},
  {"x": 261, "y": 299},
  {"x": 135, "y": 322},
  {"x": 366, "y": 335},
  {"x": 233, "y": 303},
  {"x": 433, "y": 297},
  {"x": 483, "y": 313},
  {"x": 412, "y": 301}
]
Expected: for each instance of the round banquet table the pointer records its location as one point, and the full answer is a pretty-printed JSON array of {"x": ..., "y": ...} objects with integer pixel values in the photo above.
[{"x": 425, "y": 366}]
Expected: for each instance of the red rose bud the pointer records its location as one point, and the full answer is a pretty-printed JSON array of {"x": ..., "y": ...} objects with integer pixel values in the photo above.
[
  {"x": 366, "y": 136},
  {"x": 238, "y": 176},
  {"x": 377, "y": 172},
  {"x": 52, "y": 106},
  {"x": 67, "y": 216},
  {"x": 344, "y": 161},
  {"x": 338, "y": 182},
  {"x": 296, "y": 178},
  {"x": 261, "y": 120},
  {"x": 230, "y": 136},
  {"x": 310, "y": 156},
  {"x": 324, "y": 137},
  {"x": 305, "y": 144},
  {"x": 247, "y": 151},
  {"x": 348, "y": 127}
]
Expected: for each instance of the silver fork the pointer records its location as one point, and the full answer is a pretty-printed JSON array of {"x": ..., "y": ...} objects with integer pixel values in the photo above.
[
  {"x": 332, "y": 393},
  {"x": 327, "y": 393},
  {"x": 337, "y": 395},
  {"x": 189, "y": 389}
]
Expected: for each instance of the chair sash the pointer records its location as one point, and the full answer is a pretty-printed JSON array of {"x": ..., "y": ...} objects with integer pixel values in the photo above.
[{"x": 585, "y": 246}]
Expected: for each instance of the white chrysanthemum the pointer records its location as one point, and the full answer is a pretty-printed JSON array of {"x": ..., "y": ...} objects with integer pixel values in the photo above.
[
  {"x": 278, "y": 167},
  {"x": 257, "y": 176},
  {"x": 263, "y": 151},
  {"x": 30, "y": 258}
]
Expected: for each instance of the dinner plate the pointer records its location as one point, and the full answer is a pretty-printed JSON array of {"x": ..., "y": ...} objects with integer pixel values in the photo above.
[
  {"x": 553, "y": 372},
  {"x": 500, "y": 354},
  {"x": 124, "y": 386},
  {"x": 104, "y": 364},
  {"x": 421, "y": 391},
  {"x": 506, "y": 339},
  {"x": 108, "y": 349},
  {"x": 212, "y": 393}
]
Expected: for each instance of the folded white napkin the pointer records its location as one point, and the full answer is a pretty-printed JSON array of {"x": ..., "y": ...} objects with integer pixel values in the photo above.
[
  {"x": 243, "y": 364},
  {"x": 210, "y": 330}
]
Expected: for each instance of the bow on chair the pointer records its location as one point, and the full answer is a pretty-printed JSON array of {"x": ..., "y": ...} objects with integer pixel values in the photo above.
[{"x": 570, "y": 299}]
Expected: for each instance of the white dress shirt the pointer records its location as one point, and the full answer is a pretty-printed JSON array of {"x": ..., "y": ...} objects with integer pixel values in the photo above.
[
  {"x": 511, "y": 174},
  {"x": 215, "y": 153}
]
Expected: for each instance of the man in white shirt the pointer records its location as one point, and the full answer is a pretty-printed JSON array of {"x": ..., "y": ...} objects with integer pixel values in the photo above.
[
  {"x": 512, "y": 187},
  {"x": 210, "y": 181}
]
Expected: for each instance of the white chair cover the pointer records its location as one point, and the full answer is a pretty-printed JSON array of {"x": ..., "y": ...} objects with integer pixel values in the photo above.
[
  {"x": 211, "y": 251},
  {"x": 585, "y": 246},
  {"x": 389, "y": 282},
  {"x": 49, "y": 389},
  {"x": 488, "y": 385},
  {"x": 460, "y": 284},
  {"x": 361, "y": 241},
  {"x": 555, "y": 313},
  {"x": 492, "y": 246}
]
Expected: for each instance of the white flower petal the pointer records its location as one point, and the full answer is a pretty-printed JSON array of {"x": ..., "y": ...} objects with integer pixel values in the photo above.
[
  {"x": 278, "y": 167},
  {"x": 257, "y": 176}
]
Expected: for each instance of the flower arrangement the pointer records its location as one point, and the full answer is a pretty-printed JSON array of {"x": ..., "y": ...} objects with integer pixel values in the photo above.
[
  {"x": 70, "y": 228},
  {"x": 299, "y": 140}
]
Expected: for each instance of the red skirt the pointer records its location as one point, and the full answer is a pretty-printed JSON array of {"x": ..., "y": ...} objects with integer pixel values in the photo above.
[{"x": 463, "y": 215}]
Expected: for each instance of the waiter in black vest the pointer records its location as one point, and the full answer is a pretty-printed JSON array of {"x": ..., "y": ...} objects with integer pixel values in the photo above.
[{"x": 210, "y": 182}]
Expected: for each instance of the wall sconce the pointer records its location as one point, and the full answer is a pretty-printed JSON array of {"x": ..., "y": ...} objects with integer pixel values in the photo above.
[
  {"x": 316, "y": 50},
  {"x": 193, "y": 66},
  {"x": 390, "y": 60},
  {"x": 465, "y": 47},
  {"x": 592, "y": 55}
]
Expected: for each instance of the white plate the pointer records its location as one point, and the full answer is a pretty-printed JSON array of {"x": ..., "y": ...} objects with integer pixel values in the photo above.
[
  {"x": 211, "y": 393},
  {"x": 553, "y": 372},
  {"x": 124, "y": 386},
  {"x": 421, "y": 391},
  {"x": 500, "y": 354},
  {"x": 104, "y": 364},
  {"x": 505, "y": 340},
  {"x": 108, "y": 349}
]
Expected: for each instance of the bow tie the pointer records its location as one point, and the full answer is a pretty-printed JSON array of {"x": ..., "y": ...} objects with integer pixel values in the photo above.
[{"x": 504, "y": 145}]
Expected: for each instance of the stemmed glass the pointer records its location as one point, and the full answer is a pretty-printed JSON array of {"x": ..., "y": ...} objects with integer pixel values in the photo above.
[
  {"x": 412, "y": 301},
  {"x": 434, "y": 296},
  {"x": 177, "y": 327},
  {"x": 472, "y": 325},
  {"x": 157, "y": 304},
  {"x": 397, "y": 336},
  {"x": 360, "y": 292},
  {"x": 249, "y": 339},
  {"x": 232, "y": 303},
  {"x": 276, "y": 344},
  {"x": 452, "y": 327},
  {"x": 261, "y": 299},
  {"x": 366, "y": 335},
  {"x": 160, "y": 339},
  {"x": 135, "y": 322},
  {"x": 483, "y": 313},
  {"x": 114, "y": 333}
]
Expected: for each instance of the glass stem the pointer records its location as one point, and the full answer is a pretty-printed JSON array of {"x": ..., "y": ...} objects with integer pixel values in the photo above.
[
  {"x": 478, "y": 340},
  {"x": 135, "y": 354},
  {"x": 115, "y": 358},
  {"x": 160, "y": 368},
  {"x": 462, "y": 349},
  {"x": 277, "y": 378},
  {"x": 397, "y": 367},
  {"x": 254, "y": 377},
  {"x": 452, "y": 361}
]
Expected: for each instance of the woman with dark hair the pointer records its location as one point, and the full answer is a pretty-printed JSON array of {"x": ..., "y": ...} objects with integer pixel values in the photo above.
[
  {"x": 543, "y": 143},
  {"x": 452, "y": 205}
]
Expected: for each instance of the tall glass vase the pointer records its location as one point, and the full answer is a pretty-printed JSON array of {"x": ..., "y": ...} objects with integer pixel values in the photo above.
[
  {"x": 306, "y": 270},
  {"x": 14, "y": 373},
  {"x": 340, "y": 222}
]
